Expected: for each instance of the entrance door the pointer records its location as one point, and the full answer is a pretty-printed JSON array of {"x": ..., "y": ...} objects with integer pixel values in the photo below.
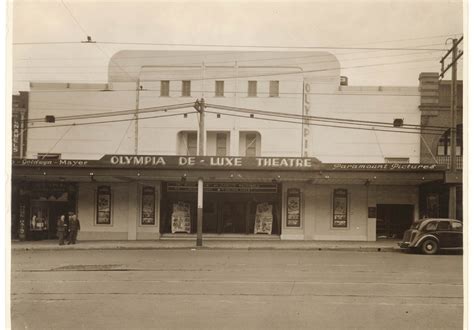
[
  {"x": 393, "y": 219},
  {"x": 209, "y": 222},
  {"x": 233, "y": 217},
  {"x": 44, "y": 217}
]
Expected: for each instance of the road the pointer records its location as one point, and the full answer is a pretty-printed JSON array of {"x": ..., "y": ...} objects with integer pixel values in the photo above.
[{"x": 235, "y": 289}]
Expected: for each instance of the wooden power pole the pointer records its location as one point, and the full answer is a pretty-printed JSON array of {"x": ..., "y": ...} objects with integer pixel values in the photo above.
[
  {"x": 200, "y": 106},
  {"x": 453, "y": 159}
]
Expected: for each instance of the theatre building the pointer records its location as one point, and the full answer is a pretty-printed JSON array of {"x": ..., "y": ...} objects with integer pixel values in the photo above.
[{"x": 123, "y": 155}]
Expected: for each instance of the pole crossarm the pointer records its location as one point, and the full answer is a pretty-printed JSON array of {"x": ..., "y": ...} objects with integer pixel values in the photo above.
[{"x": 456, "y": 56}]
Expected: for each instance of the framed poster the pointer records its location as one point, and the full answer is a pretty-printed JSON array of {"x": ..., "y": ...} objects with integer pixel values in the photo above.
[
  {"x": 181, "y": 218},
  {"x": 293, "y": 208},
  {"x": 339, "y": 219},
  {"x": 148, "y": 206},
  {"x": 263, "y": 219},
  {"x": 104, "y": 205}
]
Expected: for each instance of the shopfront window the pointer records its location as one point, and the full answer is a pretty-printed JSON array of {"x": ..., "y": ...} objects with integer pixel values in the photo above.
[
  {"x": 104, "y": 206},
  {"x": 339, "y": 219}
]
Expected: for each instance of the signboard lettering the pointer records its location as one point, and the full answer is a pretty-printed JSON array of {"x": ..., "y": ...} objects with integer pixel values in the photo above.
[{"x": 208, "y": 162}]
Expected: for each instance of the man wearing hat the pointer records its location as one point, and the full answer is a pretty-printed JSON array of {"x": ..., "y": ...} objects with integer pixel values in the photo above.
[
  {"x": 61, "y": 228},
  {"x": 74, "y": 227}
]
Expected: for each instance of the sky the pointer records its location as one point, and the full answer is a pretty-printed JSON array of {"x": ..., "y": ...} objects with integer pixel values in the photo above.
[{"x": 47, "y": 35}]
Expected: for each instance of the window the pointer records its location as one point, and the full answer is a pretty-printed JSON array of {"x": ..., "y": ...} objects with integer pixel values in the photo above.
[
  {"x": 431, "y": 226},
  {"x": 49, "y": 156},
  {"x": 219, "y": 88},
  {"x": 443, "y": 225},
  {"x": 444, "y": 143},
  {"x": 104, "y": 206},
  {"x": 339, "y": 219},
  {"x": 221, "y": 144},
  {"x": 274, "y": 88},
  {"x": 191, "y": 144},
  {"x": 251, "y": 145},
  {"x": 457, "y": 226},
  {"x": 165, "y": 88},
  {"x": 148, "y": 206},
  {"x": 186, "y": 88},
  {"x": 252, "y": 88}
]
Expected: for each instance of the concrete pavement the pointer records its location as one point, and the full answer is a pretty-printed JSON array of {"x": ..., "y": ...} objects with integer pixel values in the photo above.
[{"x": 212, "y": 243}]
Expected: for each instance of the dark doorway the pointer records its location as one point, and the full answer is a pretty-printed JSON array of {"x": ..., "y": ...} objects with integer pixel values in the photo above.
[{"x": 393, "y": 219}]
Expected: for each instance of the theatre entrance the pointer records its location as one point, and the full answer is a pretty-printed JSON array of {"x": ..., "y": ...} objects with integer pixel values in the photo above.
[{"x": 229, "y": 208}]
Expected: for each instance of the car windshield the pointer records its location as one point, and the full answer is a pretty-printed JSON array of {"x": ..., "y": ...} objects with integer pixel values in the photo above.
[{"x": 415, "y": 225}]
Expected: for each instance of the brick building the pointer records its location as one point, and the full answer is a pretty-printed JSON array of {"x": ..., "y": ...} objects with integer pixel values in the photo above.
[{"x": 435, "y": 148}]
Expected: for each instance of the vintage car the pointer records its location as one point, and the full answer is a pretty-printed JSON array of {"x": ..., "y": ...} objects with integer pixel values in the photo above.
[{"x": 430, "y": 235}]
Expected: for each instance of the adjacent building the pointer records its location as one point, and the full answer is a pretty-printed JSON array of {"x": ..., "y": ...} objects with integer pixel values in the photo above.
[
  {"x": 435, "y": 147},
  {"x": 292, "y": 150}
]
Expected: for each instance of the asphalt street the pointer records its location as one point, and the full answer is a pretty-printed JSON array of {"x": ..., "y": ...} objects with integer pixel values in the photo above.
[{"x": 235, "y": 289}]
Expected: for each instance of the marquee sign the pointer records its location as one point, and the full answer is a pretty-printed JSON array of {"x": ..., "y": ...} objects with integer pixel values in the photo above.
[{"x": 222, "y": 163}]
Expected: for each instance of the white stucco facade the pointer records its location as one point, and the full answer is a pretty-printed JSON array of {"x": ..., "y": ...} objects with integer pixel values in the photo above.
[{"x": 308, "y": 84}]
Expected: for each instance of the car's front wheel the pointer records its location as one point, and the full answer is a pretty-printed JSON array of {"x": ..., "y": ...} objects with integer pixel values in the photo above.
[{"x": 429, "y": 246}]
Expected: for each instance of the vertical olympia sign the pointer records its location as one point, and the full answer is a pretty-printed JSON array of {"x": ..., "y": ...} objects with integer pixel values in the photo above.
[{"x": 305, "y": 122}]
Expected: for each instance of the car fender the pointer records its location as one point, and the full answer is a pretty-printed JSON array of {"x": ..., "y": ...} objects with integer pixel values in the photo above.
[{"x": 422, "y": 238}]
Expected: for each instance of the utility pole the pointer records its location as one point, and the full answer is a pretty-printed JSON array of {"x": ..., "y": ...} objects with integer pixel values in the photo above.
[
  {"x": 137, "y": 107},
  {"x": 455, "y": 56},
  {"x": 200, "y": 106}
]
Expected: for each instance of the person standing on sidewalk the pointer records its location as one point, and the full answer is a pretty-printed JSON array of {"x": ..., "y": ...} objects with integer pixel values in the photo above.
[
  {"x": 74, "y": 227},
  {"x": 61, "y": 228}
]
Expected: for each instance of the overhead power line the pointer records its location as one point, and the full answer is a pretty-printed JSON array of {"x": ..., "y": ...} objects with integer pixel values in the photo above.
[
  {"x": 290, "y": 72},
  {"x": 240, "y": 61},
  {"x": 327, "y": 119},
  {"x": 118, "y": 113},
  {"x": 111, "y": 121},
  {"x": 321, "y": 125},
  {"x": 228, "y": 45}
]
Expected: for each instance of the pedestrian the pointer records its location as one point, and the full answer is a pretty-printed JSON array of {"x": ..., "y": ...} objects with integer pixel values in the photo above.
[
  {"x": 61, "y": 228},
  {"x": 66, "y": 222},
  {"x": 74, "y": 227}
]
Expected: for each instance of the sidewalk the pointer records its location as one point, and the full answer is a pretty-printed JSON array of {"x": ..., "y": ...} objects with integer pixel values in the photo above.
[{"x": 378, "y": 246}]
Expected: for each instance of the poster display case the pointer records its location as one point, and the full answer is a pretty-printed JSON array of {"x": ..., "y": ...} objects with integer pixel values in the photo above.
[
  {"x": 263, "y": 219},
  {"x": 181, "y": 218},
  {"x": 148, "y": 206},
  {"x": 339, "y": 219},
  {"x": 104, "y": 205},
  {"x": 293, "y": 208}
]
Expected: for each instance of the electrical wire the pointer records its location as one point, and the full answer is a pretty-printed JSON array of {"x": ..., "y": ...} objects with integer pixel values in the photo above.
[
  {"x": 420, "y": 51},
  {"x": 86, "y": 35},
  {"x": 54, "y": 145},
  {"x": 123, "y": 137},
  {"x": 299, "y": 72},
  {"x": 111, "y": 121},
  {"x": 328, "y": 119},
  {"x": 117, "y": 113},
  {"x": 321, "y": 125},
  {"x": 226, "y": 45},
  {"x": 244, "y": 110}
]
